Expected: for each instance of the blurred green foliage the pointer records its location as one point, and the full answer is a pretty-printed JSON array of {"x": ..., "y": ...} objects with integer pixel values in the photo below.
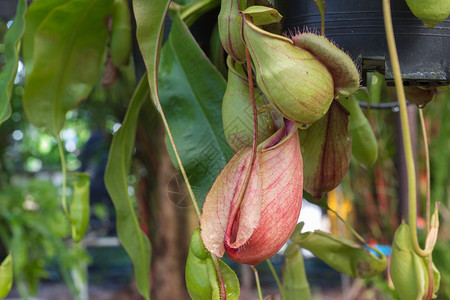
[
  {"x": 32, "y": 224},
  {"x": 35, "y": 229}
]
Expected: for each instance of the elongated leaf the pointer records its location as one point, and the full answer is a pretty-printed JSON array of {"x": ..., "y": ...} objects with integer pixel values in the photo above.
[
  {"x": 12, "y": 46},
  {"x": 69, "y": 48},
  {"x": 6, "y": 276},
  {"x": 231, "y": 281},
  {"x": 341, "y": 254},
  {"x": 150, "y": 15},
  {"x": 79, "y": 207},
  {"x": 133, "y": 239},
  {"x": 191, "y": 92},
  {"x": 36, "y": 13}
]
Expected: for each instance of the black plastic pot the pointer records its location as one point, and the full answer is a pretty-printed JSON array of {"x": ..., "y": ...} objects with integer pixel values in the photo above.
[{"x": 357, "y": 26}]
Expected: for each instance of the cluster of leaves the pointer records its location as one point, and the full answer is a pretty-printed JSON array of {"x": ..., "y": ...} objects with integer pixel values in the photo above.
[{"x": 34, "y": 229}]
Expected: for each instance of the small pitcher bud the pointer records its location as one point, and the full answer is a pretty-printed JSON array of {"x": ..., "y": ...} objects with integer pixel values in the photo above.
[
  {"x": 251, "y": 210},
  {"x": 326, "y": 150},
  {"x": 419, "y": 95},
  {"x": 121, "y": 34},
  {"x": 297, "y": 84},
  {"x": 229, "y": 24},
  {"x": 409, "y": 272},
  {"x": 201, "y": 278},
  {"x": 237, "y": 114},
  {"x": 364, "y": 142}
]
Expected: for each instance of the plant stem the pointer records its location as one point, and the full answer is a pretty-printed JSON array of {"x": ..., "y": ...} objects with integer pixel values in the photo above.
[
  {"x": 258, "y": 286},
  {"x": 410, "y": 168},
  {"x": 252, "y": 98},
  {"x": 428, "y": 201},
  {"x": 180, "y": 164},
  {"x": 322, "y": 24},
  {"x": 427, "y": 166},
  {"x": 277, "y": 279},
  {"x": 64, "y": 174},
  {"x": 355, "y": 233}
]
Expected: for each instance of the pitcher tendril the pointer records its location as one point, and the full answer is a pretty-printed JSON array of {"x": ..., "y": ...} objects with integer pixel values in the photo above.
[
  {"x": 64, "y": 175},
  {"x": 410, "y": 166}
]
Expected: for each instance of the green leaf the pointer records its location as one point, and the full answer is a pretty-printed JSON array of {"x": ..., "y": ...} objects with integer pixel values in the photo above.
[
  {"x": 69, "y": 48},
  {"x": 12, "y": 46},
  {"x": 6, "y": 276},
  {"x": 79, "y": 207},
  {"x": 194, "y": 10},
  {"x": 150, "y": 15},
  {"x": 133, "y": 239},
  {"x": 341, "y": 254},
  {"x": 231, "y": 281},
  {"x": 191, "y": 92},
  {"x": 184, "y": 2},
  {"x": 36, "y": 13}
]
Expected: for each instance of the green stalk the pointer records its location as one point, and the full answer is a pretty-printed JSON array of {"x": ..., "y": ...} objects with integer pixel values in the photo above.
[
  {"x": 277, "y": 279},
  {"x": 427, "y": 164},
  {"x": 254, "y": 110},
  {"x": 355, "y": 233},
  {"x": 322, "y": 24},
  {"x": 64, "y": 175},
  {"x": 258, "y": 286},
  {"x": 410, "y": 167},
  {"x": 180, "y": 164},
  {"x": 428, "y": 201}
]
